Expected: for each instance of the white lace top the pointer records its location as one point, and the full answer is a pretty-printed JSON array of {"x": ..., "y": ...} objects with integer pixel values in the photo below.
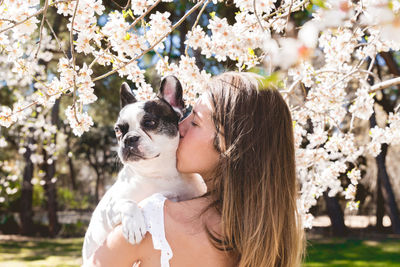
[{"x": 153, "y": 211}]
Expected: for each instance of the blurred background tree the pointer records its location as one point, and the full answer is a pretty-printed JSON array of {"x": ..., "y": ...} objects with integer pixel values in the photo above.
[{"x": 46, "y": 169}]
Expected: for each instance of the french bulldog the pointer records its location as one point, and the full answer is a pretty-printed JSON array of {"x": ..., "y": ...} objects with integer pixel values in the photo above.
[{"x": 148, "y": 136}]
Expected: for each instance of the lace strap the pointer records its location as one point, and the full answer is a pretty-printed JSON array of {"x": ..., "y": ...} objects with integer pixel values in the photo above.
[{"x": 153, "y": 211}]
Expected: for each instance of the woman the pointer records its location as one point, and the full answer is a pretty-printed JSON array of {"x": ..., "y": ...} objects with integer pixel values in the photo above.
[{"x": 239, "y": 138}]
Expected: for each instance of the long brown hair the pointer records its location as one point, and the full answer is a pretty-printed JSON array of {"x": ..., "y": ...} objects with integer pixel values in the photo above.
[{"x": 254, "y": 187}]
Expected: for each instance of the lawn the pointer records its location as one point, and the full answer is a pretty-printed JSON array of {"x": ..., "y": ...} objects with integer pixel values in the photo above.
[
  {"x": 326, "y": 252},
  {"x": 353, "y": 252},
  {"x": 40, "y": 252}
]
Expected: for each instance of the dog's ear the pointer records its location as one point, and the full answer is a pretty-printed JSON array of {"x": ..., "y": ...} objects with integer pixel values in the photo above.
[
  {"x": 171, "y": 91},
  {"x": 126, "y": 96}
]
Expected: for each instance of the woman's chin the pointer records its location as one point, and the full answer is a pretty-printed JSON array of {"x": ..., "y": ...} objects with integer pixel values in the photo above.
[{"x": 179, "y": 167}]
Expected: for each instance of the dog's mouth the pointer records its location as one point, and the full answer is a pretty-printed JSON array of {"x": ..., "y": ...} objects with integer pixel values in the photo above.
[{"x": 131, "y": 154}]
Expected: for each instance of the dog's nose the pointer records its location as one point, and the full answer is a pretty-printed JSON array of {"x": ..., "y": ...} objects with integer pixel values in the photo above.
[{"x": 130, "y": 141}]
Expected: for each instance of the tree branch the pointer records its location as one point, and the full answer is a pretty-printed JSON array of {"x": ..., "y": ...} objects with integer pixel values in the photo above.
[
  {"x": 288, "y": 15},
  {"x": 71, "y": 40},
  {"x": 55, "y": 36},
  {"x": 258, "y": 18},
  {"x": 144, "y": 14},
  {"x": 384, "y": 84},
  {"x": 127, "y": 4},
  {"x": 197, "y": 21},
  {"x": 46, "y": 5},
  {"x": 35, "y": 14},
  {"x": 154, "y": 45}
]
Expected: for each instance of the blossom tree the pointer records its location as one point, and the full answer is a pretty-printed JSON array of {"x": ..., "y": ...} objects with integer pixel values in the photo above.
[{"x": 327, "y": 64}]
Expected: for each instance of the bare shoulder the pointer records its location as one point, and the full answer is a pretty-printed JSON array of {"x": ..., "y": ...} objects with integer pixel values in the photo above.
[
  {"x": 185, "y": 233},
  {"x": 185, "y": 228}
]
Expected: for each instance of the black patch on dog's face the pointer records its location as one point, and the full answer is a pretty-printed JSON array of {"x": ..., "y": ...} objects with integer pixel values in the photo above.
[
  {"x": 121, "y": 128},
  {"x": 160, "y": 117}
]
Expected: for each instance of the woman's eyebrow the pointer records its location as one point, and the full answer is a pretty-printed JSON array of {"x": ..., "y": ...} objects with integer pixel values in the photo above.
[{"x": 196, "y": 114}]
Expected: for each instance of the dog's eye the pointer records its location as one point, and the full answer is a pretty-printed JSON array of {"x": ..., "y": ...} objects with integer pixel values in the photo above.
[
  {"x": 149, "y": 123},
  {"x": 118, "y": 132}
]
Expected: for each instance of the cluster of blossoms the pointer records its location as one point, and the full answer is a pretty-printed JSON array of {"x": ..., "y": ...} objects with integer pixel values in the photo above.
[
  {"x": 20, "y": 54},
  {"x": 23, "y": 31},
  {"x": 193, "y": 80},
  {"x": 80, "y": 122},
  {"x": 159, "y": 26},
  {"x": 43, "y": 132},
  {"x": 84, "y": 22},
  {"x": 10, "y": 172},
  {"x": 122, "y": 41},
  {"x": 389, "y": 135},
  {"x": 331, "y": 103},
  {"x": 331, "y": 57},
  {"x": 128, "y": 45},
  {"x": 236, "y": 42},
  {"x": 36, "y": 128}
]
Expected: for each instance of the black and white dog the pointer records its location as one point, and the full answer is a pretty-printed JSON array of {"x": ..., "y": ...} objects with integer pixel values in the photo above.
[{"x": 148, "y": 136}]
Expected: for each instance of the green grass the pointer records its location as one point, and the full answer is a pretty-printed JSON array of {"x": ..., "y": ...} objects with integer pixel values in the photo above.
[
  {"x": 41, "y": 252},
  {"x": 353, "y": 252},
  {"x": 327, "y": 252}
]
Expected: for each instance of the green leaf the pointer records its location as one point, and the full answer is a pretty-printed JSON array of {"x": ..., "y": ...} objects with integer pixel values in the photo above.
[
  {"x": 309, "y": 7},
  {"x": 271, "y": 80},
  {"x": 320, "y": 3}
]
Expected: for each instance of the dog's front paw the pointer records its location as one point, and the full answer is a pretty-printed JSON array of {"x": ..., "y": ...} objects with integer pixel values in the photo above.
[{"x": 133, "y": 223}]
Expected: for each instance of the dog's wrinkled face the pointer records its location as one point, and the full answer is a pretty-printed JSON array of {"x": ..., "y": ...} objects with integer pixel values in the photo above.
[{"x": 148, "y": 129}]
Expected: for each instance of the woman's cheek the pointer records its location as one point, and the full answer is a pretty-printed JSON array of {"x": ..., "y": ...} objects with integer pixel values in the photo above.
[{"x": 181, "y": 156}]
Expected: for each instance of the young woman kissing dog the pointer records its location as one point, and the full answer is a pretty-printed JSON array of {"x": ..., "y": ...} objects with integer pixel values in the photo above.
[{"x": 239, "y": 138}]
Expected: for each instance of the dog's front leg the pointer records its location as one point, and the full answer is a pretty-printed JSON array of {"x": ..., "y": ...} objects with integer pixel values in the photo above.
[
  {"x": 133, "y": 222},
  {"x": 129, "y": 214}
]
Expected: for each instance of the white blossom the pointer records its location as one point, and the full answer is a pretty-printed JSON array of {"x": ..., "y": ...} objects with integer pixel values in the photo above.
[
  {"x": 79, "y": 122},
  {"x": 7, "y": 117},
  {"x": 363, "y": 105}
]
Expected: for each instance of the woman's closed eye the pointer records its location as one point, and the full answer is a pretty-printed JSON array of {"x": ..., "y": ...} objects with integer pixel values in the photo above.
[{"x": 194, "y": 121}]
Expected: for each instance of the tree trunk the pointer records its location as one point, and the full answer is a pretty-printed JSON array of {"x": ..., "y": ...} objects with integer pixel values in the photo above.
[
  {"x": 26, "y": 212},
  {"x": 380, "y": 205},
  {"x": 50, "y": 186},
  {"x": 387, "y": 191},
  {"x": 51, "y": 195},
  {"x": 98, "y": 181},
  {"x": 96, "y": 167},
  {"x": 336, "y": 215},
  {"x": 72, "y": 175}
]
